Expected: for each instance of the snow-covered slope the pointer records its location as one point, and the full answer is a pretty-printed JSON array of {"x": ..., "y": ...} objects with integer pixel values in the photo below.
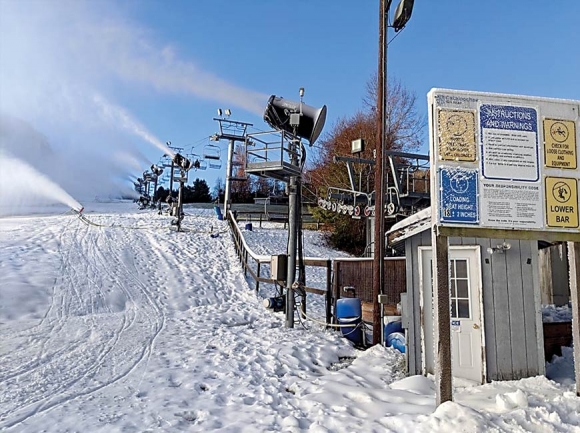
[{"x": 131, "y": 327}]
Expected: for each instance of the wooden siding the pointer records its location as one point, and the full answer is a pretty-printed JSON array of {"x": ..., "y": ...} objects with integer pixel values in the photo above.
[
  {"x": 359, "y": 274},
  {"x": 510, "y": 306}
]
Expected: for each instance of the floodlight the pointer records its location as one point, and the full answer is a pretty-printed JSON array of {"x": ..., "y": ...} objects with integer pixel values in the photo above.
[
  {"x": 357, "y": 145},
  {"x": 168, "y": 143},
  {"x": 499, "y": 248},
  {"x": 402, "y": 14},
  {"x": 301, "y": 91},
  {"x": 219, "y": 111},
  {"x": 278, "y": 114},
  {"x": 228, "y": 112}
]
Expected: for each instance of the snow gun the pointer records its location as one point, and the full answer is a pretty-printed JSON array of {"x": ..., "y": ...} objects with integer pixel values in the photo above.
[{"x": 78, "y": 212}]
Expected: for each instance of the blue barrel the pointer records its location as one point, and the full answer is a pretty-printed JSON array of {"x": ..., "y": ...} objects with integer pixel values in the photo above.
[
  {"x": 396, "y": 340},
  {"x": 394, "y": 334},
  {"x": 392, "y": 327},
  {"x": 349, "y": 312},
  {"x": 218, "y": 213},
  {"x": 249, "y": 227}
]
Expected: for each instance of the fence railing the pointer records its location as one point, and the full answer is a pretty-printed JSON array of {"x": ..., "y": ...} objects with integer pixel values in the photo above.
[
  {"x": 247, "y": 256},
  {"x": 355, "y": 273}
]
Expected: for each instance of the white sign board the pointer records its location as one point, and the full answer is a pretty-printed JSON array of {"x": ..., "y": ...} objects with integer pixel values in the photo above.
[{"x": 504, "y": 161}]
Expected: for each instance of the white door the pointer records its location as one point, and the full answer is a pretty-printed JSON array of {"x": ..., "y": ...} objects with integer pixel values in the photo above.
[{"x": 467, "y": 349}]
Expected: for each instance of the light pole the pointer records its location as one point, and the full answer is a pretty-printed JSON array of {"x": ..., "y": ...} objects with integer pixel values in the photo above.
[{"x": 402, "y": 16}]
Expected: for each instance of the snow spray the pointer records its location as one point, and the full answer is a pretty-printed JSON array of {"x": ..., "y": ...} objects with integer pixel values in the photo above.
[
  {"x": 20, "y": 181},
  {"x": 122, "y": 117}
]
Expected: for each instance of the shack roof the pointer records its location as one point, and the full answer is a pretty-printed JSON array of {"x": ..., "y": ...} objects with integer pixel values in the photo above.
[{"x": 410, "y": 226}]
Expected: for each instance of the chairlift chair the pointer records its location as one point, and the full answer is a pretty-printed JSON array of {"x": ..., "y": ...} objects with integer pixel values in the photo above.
[
  {"x": 281, "y": 215},
  {"x": 212, "y": 152},
  {"x": 215, "y": 163},
  {"x": 198, "y": 162},
  {"x": 165, "y": 161}
]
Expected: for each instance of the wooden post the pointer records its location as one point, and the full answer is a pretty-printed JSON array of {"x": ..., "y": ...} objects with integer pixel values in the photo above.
[
  {"x": 442, "y": 328},
  {"x": 574, "y": 265},
  {"x": 258, "y": 278},
  {"x": 328, "y": 291},
  {"x": 379, "y": 232},
  {"x": 336, "y": 290}
]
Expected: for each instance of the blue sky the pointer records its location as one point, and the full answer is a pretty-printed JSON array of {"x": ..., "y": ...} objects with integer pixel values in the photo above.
[{"x": 95, "y": 77}]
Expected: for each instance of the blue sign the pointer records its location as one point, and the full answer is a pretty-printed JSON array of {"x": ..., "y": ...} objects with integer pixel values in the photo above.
[
  {"x": 509, "y": 143},
  {"x": 458, "y": 196},
  {"x": 508, "y": 118}
]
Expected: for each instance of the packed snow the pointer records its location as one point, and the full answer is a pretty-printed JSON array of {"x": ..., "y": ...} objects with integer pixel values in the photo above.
[
  {"x": 555, "y": 313},
  {"x": 126, "y": 325}
]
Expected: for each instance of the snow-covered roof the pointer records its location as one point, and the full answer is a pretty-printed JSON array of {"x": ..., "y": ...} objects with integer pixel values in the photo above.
[{"x": 410, "y": 226}]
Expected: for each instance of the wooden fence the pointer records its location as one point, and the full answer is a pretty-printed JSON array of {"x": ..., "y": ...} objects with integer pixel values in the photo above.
[
  {"x": 354, "y": 273},
  {"x": 247, "y": 256}
]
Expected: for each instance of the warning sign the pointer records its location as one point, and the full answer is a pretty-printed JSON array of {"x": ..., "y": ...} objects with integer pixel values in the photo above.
[
  {"x": 456, "y": 131},
  {"x": 560, "y": 143},
  {"x": 561, "y": 202}
]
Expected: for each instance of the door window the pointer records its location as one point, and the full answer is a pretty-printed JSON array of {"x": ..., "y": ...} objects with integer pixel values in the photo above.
[{"x": 459, "y": 282}]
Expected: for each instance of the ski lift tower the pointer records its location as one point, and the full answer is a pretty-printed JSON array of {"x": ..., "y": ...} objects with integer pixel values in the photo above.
[{"x": 233, "y": 131}]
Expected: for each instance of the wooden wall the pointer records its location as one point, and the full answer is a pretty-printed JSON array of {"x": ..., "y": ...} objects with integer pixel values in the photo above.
[
  {"x": 511, "y": 307},
  {"x": 359, "y": 274}
]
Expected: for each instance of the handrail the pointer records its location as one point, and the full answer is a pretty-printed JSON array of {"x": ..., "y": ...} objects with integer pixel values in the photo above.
[
  {"x": 243, "y": 251},
  {"x": 257, "y": 257}
]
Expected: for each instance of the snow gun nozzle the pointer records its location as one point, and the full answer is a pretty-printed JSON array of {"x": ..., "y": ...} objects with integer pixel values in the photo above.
[{"x": 79, "y": 211}]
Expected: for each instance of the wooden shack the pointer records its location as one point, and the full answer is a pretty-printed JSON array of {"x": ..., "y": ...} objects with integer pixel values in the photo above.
[{"x": 496, "y": 320}]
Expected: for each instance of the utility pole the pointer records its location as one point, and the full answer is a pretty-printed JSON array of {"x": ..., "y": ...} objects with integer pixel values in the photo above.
[
  {"x": 402, "y": 16},
  {"x": 379, "y": 233}
]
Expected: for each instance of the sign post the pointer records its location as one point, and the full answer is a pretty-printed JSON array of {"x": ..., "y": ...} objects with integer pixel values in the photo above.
[
  {"x": 441, "y": 308},
  {"x": 574, "y": 266}
]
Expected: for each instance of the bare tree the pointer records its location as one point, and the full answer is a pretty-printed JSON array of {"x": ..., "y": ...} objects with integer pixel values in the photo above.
[{"x": 405, "y": 134}]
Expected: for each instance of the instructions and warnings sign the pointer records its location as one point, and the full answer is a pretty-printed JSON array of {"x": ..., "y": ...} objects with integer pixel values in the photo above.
[
  {"x": 509, "y": 140},
  {"x": 560, "y": 143},
  {"x": 561, "y": 202},
  {"x": 459, "y": 196},
  {"x": 505, "y": 162},
  {"x": 456, "y": 132}
]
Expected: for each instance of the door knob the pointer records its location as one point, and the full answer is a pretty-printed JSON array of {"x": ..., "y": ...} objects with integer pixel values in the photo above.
[{"x": 475, "y": 326}]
